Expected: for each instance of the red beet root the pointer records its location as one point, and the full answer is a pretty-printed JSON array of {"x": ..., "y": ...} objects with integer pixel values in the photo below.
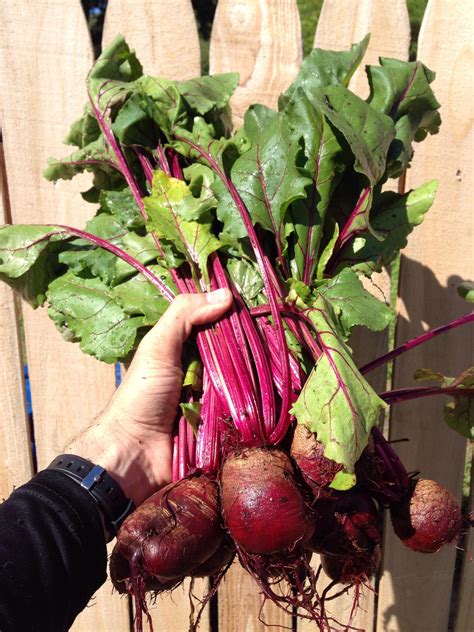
[
  {"x": 345, "y": 525},
  {"x": 120, "y": 574},
  {"x": 262, "y": 506},
  {"x": 318, "y": 471},
  {"x": 174, "y": 531},
  {"x": 352, "y": 569},
  {"x": 427, "y": 518},
  {"x": 217, "y": 561}
]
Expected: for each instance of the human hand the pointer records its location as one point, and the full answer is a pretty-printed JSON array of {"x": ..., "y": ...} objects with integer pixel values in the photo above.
[{"x": 132, "y": 438}]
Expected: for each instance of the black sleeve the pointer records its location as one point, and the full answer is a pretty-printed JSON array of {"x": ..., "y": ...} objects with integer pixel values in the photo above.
[{"x": 52, "y": 554}]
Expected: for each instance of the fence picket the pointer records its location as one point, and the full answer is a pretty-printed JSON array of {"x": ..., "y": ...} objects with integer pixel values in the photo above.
[
  {"x": 260, "y": 39},
  {"x": 15, "y": 448},
  {"x": 438, "y": 257},
  {"x": 390, "y": 36},
  {"x": 164, "y": 34},
  {"x": 45, "y": 54},
  {"x": 165, "y": 38}
]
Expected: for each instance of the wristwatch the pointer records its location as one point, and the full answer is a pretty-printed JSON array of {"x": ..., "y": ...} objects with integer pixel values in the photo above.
[{"x": 105, "y": 491}]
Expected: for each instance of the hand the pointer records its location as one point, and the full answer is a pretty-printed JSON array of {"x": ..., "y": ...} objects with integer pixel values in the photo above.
[{"x": 132, "y": 438}]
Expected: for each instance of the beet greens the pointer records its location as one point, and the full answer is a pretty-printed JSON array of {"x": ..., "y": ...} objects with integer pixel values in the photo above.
[{"x": 289, "y": 212}]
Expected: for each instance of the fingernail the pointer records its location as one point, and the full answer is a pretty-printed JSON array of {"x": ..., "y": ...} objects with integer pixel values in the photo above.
[{"x": 217, "y": 296}]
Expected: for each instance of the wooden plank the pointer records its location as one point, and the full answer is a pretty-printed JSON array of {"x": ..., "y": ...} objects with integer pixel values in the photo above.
[
  {"x": 163, "y": 33},
  {"x": 15, "y": 446},
  {"x": 45, "y": 54},
  {"x": 390, "y": 36},
  {"x": 165, "y": 37},
  {"x": 260, "y": 39},
  {"x": 387, "y": 22},
  {"x": 465, "y": 601},
  {"x": 439, "y": 255}
]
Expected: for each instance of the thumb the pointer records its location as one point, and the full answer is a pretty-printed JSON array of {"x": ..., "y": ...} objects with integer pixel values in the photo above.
[{"x": 165, "y": 340}]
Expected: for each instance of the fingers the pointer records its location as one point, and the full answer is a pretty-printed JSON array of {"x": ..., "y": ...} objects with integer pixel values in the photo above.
[{"x": 165, "y": 340}]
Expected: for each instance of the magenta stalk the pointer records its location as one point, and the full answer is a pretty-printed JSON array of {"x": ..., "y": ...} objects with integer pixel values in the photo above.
[
  {"x": 406, "y": 394},
  {"x": 414, "y": 342}
]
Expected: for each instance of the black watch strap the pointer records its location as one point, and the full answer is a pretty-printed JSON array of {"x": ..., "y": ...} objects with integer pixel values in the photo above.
[{"x": 106, "y": 492}]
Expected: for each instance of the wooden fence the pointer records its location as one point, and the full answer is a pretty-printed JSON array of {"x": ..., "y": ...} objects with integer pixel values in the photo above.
[{"x": 45, "y": 53}]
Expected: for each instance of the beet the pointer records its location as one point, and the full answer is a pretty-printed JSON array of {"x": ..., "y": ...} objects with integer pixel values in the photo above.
[
  {"x": 345, "y": 525},
  {"x": 427, "y": 518},
  {"x": 218, "y": 560},
  {"x": 174, "y": 531},
  {"x": 120, "y": 574},
  {"x": 352, "y": 569},
  {"x": 262, "y": 506},
  {"x": 318, "y": 471}
]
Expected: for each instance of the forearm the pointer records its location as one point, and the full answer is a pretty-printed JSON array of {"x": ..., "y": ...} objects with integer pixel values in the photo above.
[{"x": 52, "y": 554}]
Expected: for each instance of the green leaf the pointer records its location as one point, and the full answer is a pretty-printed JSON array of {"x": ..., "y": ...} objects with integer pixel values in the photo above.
[
  {"x": 81, "y": 256},
  {"x": 192, "y": 414},
  {"x": 394, "y": 222},
  {"x": 352, "y": 305},
  {"x": 193, "y": 374},
  {"x": 113, "y": 75},
  {"x": 325, "y": 159},
  {"x": 368, "y": 132},
  {"x": 94, "y": 157},
  {"x": 322, "y": 68},
  {"x": 459, "y": 413},
  {"x": 163, "y": 103},
  {"x": 265, "y": 175},
  {"x": 402, "y": 90},
  {"x": 138, "y": 296},
  {"x": 121, "y": 205},
  {"x": 336, "y": 401},
  {"x": 134, "y": 126},
  {"x": 466, "y": 291},
  {"x": 327, "y": 253},
  {"x": 29, "y": 258},
  {"x": 86, "y": 310},
  {"x": 208, "y": 92},
  {"x": 246, "y": 278},
  {"x": 192, "y": 239}
]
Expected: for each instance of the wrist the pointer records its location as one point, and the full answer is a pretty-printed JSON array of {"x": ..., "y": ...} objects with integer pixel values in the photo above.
[{"x": 125, "y": 457}]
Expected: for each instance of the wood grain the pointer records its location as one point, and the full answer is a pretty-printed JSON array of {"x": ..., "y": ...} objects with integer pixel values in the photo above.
[
  {"x": 260, "y": 39},
  {"x": 45, "y": 54},
  {"x": 15, "y": 444},
  {"x": 415, "y": 591},
  {"x": 164, "y": 35}
]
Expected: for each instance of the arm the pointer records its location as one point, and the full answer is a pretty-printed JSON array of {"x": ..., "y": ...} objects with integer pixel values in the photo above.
[{"x": 52, "y": 544}]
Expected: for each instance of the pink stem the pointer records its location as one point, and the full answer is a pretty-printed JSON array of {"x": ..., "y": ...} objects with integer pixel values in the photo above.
[
  {"x": 414, "y": 342},
  {"x": 406, "y": 394},
  {"x": 102, "y": 243}
]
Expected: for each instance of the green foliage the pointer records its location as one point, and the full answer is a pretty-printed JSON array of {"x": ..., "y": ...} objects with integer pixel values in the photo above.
[{"x": 304, "y": 181}]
